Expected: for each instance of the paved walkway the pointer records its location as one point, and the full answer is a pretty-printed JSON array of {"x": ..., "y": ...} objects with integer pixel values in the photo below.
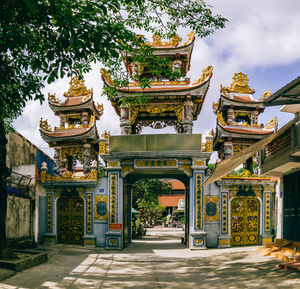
[{"x": 158, "y": 261}]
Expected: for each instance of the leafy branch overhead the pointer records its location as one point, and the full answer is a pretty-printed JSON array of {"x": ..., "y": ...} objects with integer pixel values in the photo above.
[{"x": 48, "y": 39}]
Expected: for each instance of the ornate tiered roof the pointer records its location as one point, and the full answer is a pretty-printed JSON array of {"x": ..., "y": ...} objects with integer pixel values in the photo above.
[
  {"x": 76, "y": 138},
  {"x": 78, "y": 114},
  {"x": 172, "y": 49},
  {"x": 237, "y": 117}
]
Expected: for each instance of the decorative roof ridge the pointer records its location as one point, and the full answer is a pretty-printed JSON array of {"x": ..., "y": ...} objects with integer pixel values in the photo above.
[
  {"x": 46, "y": 127},
  {"x": 205, "y": 76},
  {"x": 232, "y": 95},
  {"x": 247, "y": 128},
  {"x": 173, "y": 43},
  {"x": 54, "y": 101},
  {"x": 246, "y": 175}
]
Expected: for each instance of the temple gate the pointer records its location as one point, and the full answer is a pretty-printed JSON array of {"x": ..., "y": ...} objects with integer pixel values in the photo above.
[{"x": 91, "y": 205}]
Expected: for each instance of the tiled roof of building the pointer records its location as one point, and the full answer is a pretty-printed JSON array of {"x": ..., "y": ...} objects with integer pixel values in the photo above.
[
  {"x": 246, "y": 130},
  {"x": 177, "y": 185},
  {"x": 170, "y": 201}
]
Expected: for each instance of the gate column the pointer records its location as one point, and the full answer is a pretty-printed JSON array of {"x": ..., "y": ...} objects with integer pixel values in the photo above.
[
  {"x": 114, "y": 236},
  {"x": 197, "y": 236}
]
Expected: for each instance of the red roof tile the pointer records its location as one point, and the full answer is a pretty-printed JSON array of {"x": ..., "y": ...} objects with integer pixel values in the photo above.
[
  {"x": 177, "y": 185},
  {"x": 170, "y": 201},
  {"x": 247, "y": 130}
]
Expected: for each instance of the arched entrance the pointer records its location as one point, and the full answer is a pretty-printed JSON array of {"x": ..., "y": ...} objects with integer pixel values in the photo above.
[
  {"x": 70, "y": 220},
  {"x": 130, "y": 180},
  {"x": 245, "y": 221}
]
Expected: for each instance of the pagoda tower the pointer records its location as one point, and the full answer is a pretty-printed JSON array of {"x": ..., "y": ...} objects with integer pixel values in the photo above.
[
  {"x": 237, "y": 119},
  {"x": 170, "y": 102},
  {"x": 76, "y": 137}
]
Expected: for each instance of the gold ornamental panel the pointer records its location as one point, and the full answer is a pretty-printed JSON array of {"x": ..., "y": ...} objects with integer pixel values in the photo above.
[
  {"x": 70, "y": 220},
  {"x": 244, "y": 221}
]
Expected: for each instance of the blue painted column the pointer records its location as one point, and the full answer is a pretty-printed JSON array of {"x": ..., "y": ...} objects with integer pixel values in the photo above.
[
  {"x": 197, "y": 231},
  {"x": 114, "y": 236}
]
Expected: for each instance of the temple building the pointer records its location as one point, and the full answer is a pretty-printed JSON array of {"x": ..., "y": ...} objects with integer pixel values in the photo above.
[
  {"x": 76, "y": 144},
  {"x": 176, "y": 102},
  {"x": 247, "y": 198}
]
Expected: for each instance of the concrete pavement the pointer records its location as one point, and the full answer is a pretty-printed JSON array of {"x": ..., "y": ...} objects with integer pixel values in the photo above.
[{"x": 158, "y": 261}]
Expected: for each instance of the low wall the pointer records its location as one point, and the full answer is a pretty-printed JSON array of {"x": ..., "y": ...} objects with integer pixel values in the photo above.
[{"x": 18, "y": 219}]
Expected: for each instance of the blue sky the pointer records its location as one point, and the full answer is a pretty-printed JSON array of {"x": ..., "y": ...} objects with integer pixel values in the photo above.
[{"x": 261, "y": 39}]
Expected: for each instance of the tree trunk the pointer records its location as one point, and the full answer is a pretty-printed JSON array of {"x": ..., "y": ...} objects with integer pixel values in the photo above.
[{"x": 4, "y": 173}]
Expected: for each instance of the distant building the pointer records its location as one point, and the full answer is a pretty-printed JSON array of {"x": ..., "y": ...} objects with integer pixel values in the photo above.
[{"x": 171, "y": 201}]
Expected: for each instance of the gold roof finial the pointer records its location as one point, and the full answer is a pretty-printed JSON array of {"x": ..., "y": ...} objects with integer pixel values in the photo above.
[
  {"x": 266, "y": 94},
  {"x": 240, "y": 84},
  {"x": 77, "y": 88}
]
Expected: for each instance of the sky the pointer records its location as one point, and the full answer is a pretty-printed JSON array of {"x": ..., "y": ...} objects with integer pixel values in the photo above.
[{"x": 261, "y": 39}]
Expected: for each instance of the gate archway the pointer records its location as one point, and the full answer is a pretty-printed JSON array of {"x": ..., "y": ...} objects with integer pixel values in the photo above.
[
  {"x": 245, "y": 216},
  {"x": 70, "y": 220}
]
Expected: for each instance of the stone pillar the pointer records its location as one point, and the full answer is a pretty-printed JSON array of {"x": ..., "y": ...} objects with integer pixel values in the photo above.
[
  {"x": 57, "y": 160},
  {"x": 86, "y": 156},
  {"x": 114, "y": 237},
  {"x": 228, "y": 149},
  {"x": 125, "y": 120},
  {"x": 254, "y": 117},
  {"x": 188, "y": 116},
  {"x": 85, "y": 118},
  {"x": 197, "y": 233},
  {"x": 62, "y": 120},
  {"x": 230, "y": 115}
]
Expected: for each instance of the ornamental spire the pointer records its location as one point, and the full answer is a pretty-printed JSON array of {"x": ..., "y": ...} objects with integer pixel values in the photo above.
[{"x": 77, "y": 88}]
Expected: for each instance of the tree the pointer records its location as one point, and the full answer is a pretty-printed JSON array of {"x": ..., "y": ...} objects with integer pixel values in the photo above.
[
  {"x": 145, "y": 194},
  {"x": 47, "y": 39}
]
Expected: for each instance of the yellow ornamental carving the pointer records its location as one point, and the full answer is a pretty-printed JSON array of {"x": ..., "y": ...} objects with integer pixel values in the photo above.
[
  {"x": 238, "y": 148},
  {"x": 126, "y": 170},
  {"x": 208, "y": 146},
  {"x": 215, "y": 200},
  {"x": 240, "y": 84},
  {"x": 199, "y": 163},
  {"x": 220, "y": 118},
  {"x": 186, "y": 169},
  {"x": 52, "y": 98},
  {"x": 265, "y": 95},
  {"x": 77, "y": 88},
  {"x": 156, "y": 41},
  {"x": 272, "y": 124},
  {"x": 107, "y": 77},
  {"x": 103, "y": 217},
  {"x": 156, "y": 108},
  {"x": 206, "y": 74},
  {"x": 191, "y": 36},
  {"x": 44, "y": 125},
  {"x": 113, "y": 164},
  {"x": 103, "y": 148},
  {"x": 100, "y": 108},
  {"x": 70, "y": 151}
]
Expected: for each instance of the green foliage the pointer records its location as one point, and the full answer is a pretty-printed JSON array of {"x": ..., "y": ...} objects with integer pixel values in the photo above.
[
  {"x": 101, "y": 171},
  {"x": 152, "y": 211},
  {"x": 48, "y": 39},
  {"x": 211, "y": 166},
  {"x": 148, "y": 190},
  {"x": 145, "y": 194}
]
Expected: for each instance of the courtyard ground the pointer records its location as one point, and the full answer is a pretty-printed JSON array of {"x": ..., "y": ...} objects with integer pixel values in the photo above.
[{"x": 158, "y": 261}]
